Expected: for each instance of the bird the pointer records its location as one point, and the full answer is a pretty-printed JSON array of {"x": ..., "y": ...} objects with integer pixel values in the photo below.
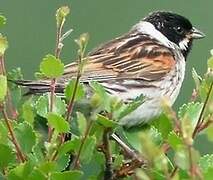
[{"x": 149, "y": 59}]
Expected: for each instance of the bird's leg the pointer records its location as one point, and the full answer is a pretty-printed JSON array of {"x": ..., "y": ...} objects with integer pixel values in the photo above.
[
  {"x": 128, "y": 168},
  {"x": 130, "y": 152},
  {"x": 125, "y": 147}
]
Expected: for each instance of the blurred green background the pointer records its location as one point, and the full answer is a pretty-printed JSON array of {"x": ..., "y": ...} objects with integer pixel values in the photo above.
[{"x": 31, "y": 29}]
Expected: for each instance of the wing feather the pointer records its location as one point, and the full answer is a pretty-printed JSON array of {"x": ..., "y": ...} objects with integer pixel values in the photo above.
[{"x": 134, "y": 57}]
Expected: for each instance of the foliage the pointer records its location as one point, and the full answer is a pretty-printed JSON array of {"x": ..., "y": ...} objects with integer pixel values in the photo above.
[{"x": 47, "y": 137}]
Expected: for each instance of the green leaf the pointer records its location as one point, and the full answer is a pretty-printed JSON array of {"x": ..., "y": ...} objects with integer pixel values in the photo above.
[
  {"x": 82, "y": 123},
  {"x": 106, "y": 122},
  {"x": 210, "y": 62},
  {"x": 38, "y": 152},
  {"x": 190, "y": 111},
  {"x": 20, "y": 172},
  {"x": 181, "y": 159},
  {"x": 3, "y": 133},
  {"x": 15, "y": 74},
  {"x": 25, "y": 136},
  {"x": 164, "y": 125},
  {"x": 58, "y": 123},
  {"x": 187, "y": 131},
  {"x": 51, "y": 66},
  {"x": 208, "y": 174},
  {"x": 174, "y": 140},
  {"x": 69, "y": 90},
  {"x": 74, "y": 174},
  {"x": 36, "y": 175},
  {"x": 6, "y": 156},
  {"x": 47, "y": 167},
  {"x": 42, "y": 106},
  {"x": 3, "y": 44},
  {"x": 132, "y": 137},
  {"x": 39, "y": 75},
  {"x": 94, "y": 169},
  {"x": 197, "y": 78},
  {"x": 88, "y": 150},
  {"x": 27, "y": 111},
  {"x": 96, "y": 101},
  {"x": 3, "y": 87},
  {"x": 161, "y": 162},
  {"x": 203, "y": 90},
  {"x": 72, "y": 146},
  {"x": 209, "y": 132},
  {"x": 151, "y": 139},
  {"x": 189, "y": 115},
  {"x": 141, "y": 174},
  {"x": 206, "y": 162},
  {"x": 132, "y": 106},
  {"x": 102, "y": 95},
  {"x": 2, "y": 176},
  {"x": 63, "y": 162},
  {"x": 2, "y": 20}
]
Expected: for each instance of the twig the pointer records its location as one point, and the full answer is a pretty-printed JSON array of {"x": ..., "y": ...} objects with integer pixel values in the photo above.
[
  {"x": 2, "y": 66},
  {"x": 58, "y": 48},
  {"x": 72, "y": 99},
  {"x": 52, "y": 93},
  {"x": 128, "y": 168},
  {"x": 200, "y": 120},
  {"x": 194, "y": 171},
  {"x": 108, "y": 174},
  {"x": 131, "y": 153},
  {"x": 204, "y": 125},
  {"x": 76, "y": 161},
  {"x": 10, "y": 107},
  {"x": 20, "y": 155},
  {"x": 165, "y": 147},
  {"x": 174, "y": 172},
  {"x": 191, "y": 168},
  {"x": 194, "y": 95},
  {"x": 69, "y": 109},
  {"x": 55, "y": 154}
]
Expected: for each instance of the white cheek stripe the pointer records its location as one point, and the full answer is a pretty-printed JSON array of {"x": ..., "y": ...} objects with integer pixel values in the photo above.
[
  {"x": 184, "y": 44},
  {"x": 149, "y": 29}
]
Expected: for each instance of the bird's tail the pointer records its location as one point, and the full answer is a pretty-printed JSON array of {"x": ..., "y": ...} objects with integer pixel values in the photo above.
[{"x": 38, "y": 87}]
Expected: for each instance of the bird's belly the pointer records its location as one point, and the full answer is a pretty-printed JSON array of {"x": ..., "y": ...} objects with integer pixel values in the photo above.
[{"x": 168, "y": 87}]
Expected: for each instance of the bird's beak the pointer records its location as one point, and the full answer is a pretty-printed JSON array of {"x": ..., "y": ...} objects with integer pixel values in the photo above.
[{"x": 196, "y": 34}]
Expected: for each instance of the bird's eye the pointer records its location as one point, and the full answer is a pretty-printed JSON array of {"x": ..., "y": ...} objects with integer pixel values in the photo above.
[{"x": 179, "y": 30}]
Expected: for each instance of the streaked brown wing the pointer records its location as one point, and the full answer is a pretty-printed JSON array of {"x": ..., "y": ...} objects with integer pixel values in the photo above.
[
  {"x": 130, "y": 57},
  {"x": 133, "y": 57}
]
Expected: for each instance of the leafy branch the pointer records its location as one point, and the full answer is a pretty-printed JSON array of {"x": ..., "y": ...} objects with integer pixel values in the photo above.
[
  {"x": 60, "y": 20},
  {"x": 97, "y": 147},
  {"x": 3, "y": 95}
]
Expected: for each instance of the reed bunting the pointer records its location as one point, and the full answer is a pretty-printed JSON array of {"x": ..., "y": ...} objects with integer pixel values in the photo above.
[{"x": 150, "y": 59}]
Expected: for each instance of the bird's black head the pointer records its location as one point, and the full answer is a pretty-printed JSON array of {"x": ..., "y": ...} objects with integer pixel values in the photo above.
[{"x": 176, "y": 28}]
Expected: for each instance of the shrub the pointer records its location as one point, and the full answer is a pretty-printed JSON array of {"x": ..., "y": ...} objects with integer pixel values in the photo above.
[{"x": 48, "y": 136}]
